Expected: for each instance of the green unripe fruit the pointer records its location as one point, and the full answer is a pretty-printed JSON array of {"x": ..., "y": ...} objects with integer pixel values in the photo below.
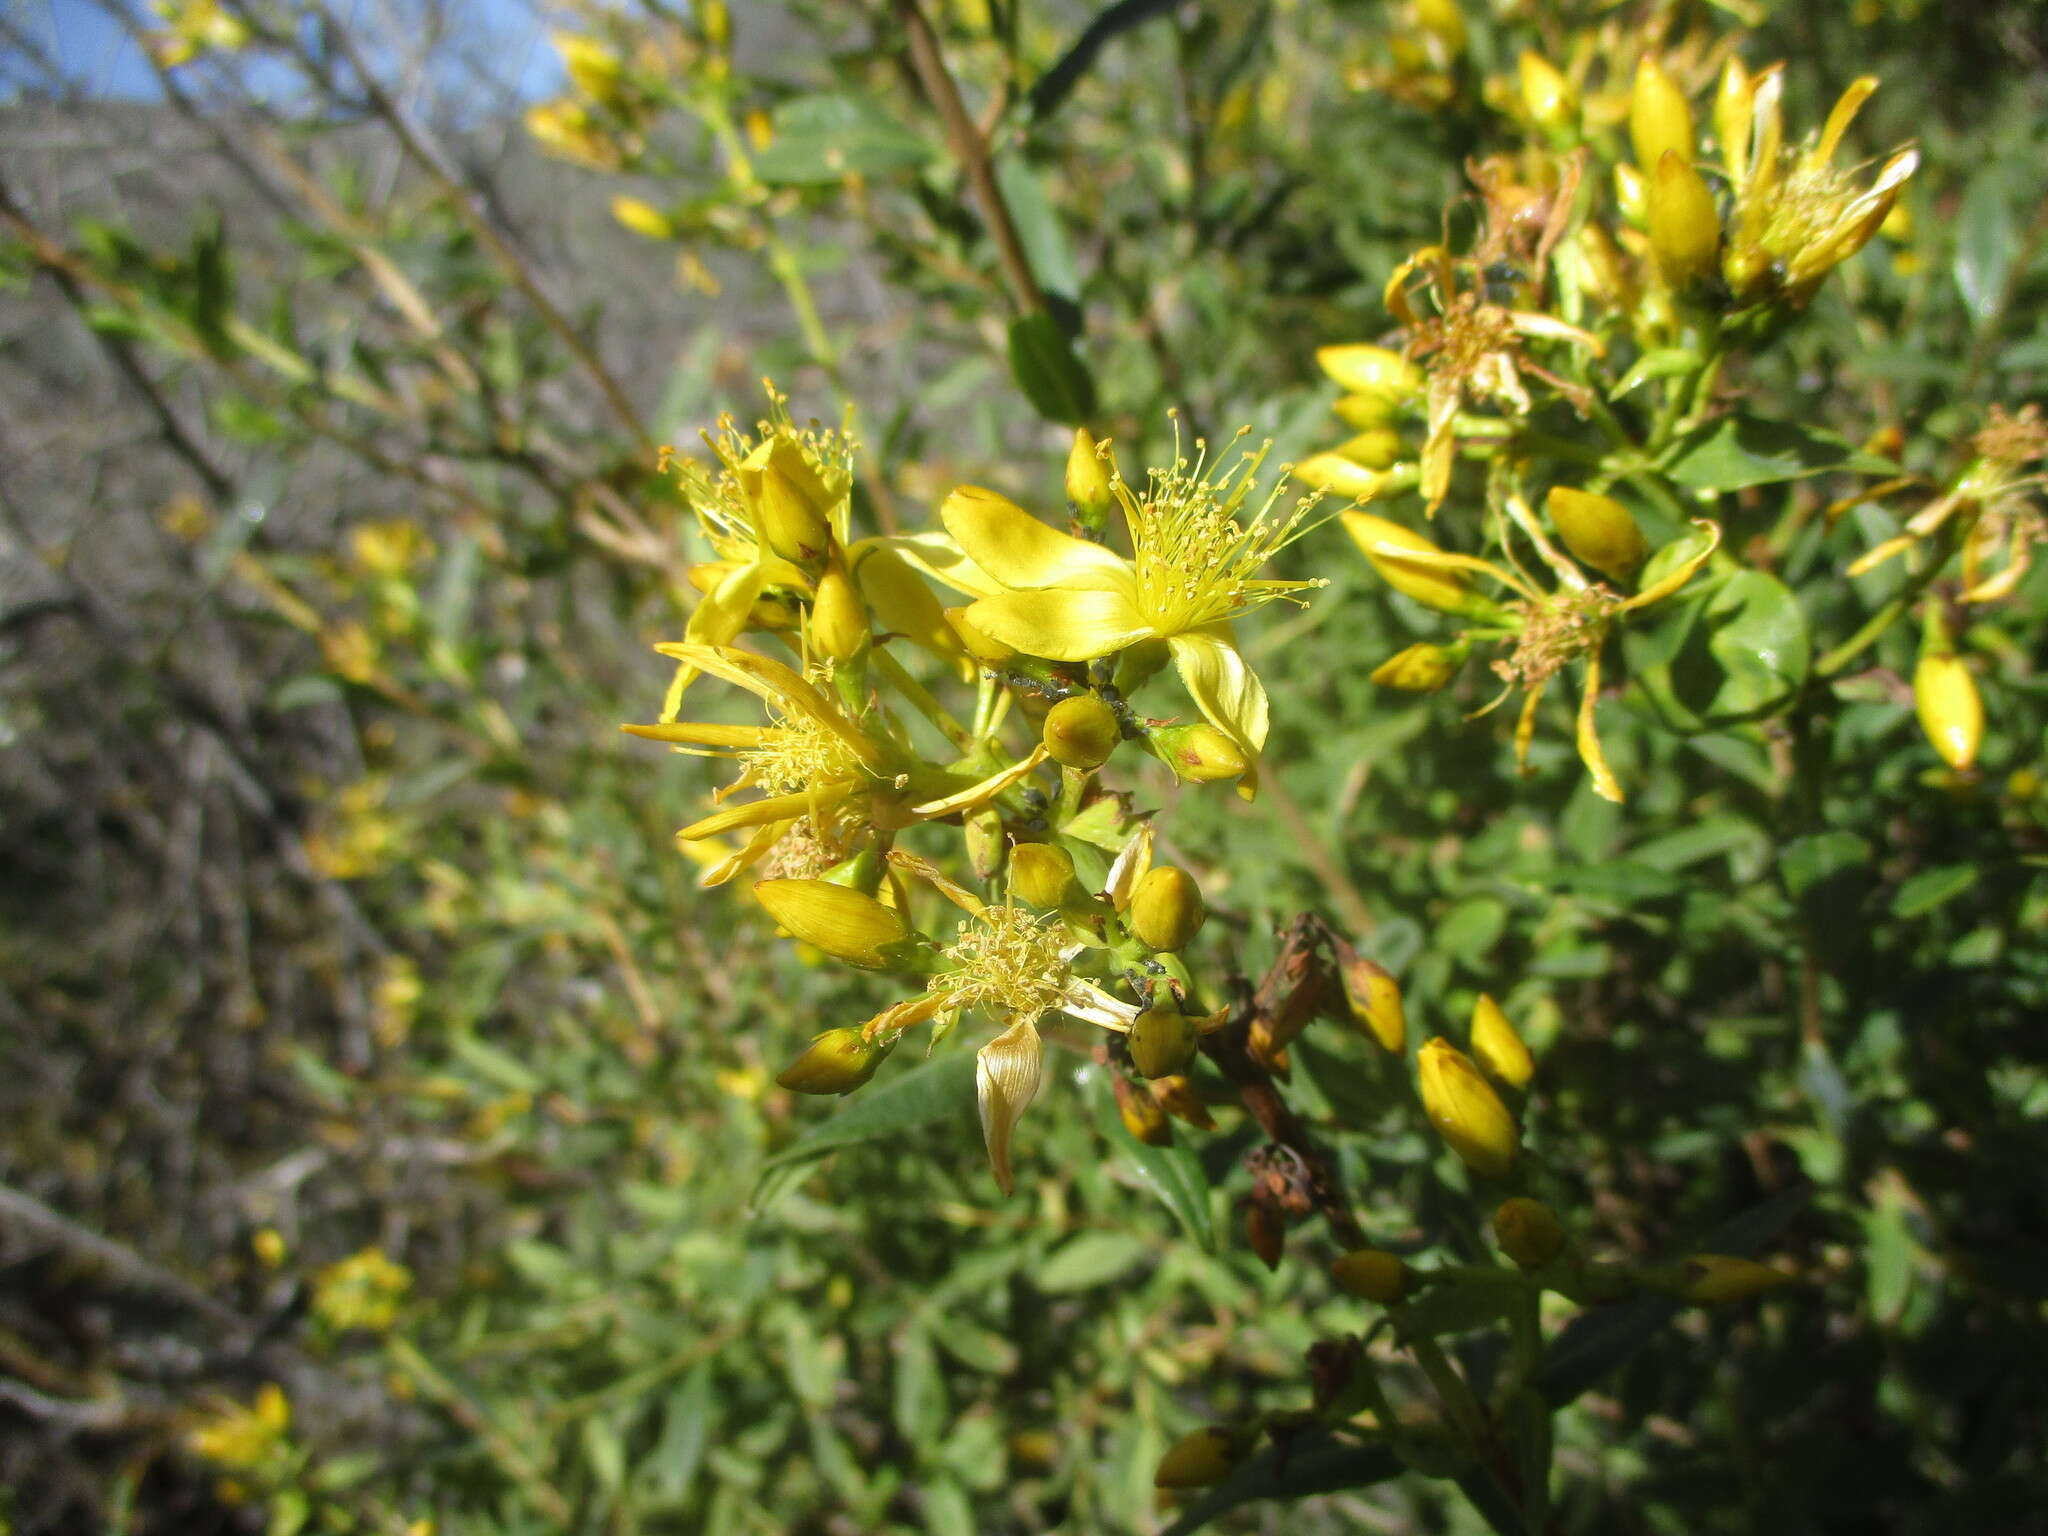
[
  {"x": 1166, "y": 909},
  {"x": 1528, "y": 1232},
  {"x": 1162, "y": 1042},
  {"x": 1081, "y": 732},
  {"x": 1373, "y": 1275},
  {"x": 1041, "y": 873}
]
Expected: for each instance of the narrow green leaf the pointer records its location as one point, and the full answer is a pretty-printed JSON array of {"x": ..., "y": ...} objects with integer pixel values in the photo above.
[
  {"x": 1053, "y": 379},
  {"x": 891, "y": 1105},
  {"x": 1932, "y": 888},
  {"x": 1088, "y": 1260},
  {"x": 1987, "y": 235},
  {"x": 1739, "y": 451}
]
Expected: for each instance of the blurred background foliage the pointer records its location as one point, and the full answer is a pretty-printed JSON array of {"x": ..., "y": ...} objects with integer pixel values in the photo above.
[{"x": 389, "y": 1136}]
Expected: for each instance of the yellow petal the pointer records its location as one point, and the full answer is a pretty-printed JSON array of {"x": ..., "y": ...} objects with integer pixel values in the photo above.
[
  {"x": 1657, "y": 591},
  {"x": 1018, "y": 550},
  {"x": 1063, "y": 624},
  {"x": 1605, "y": 785},
  {"x": 940, "y": 557},
  {"x": 752, "y": 852},
  {"x": 778, "y": 684},
  {"x": 1006, "y": 1077},
  {"x": 692, "y": 733},
  {"x": 900, "y": 601},
  {"x": 982, "y": 793},
  {"x": 760, "y": 812},
  {"x": 1223, "y": 686}
]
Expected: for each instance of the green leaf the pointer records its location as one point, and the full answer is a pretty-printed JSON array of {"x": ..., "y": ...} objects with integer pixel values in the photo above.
[
  {"x": 1174, "y": 1174},
  {"x": 1596, "y": 1343},
  {"x": 685, "y": 1431},
  {"x": 1703, "y": 840},
  {"x": 1315, "y": 1462},
  {"x": 1735, "y": 651},
  {"x": 931, "y": 1091},
  {"x": 1987, "y": 235},
  {"x": 1932, "y": 888},
  {"x": 1053, "y": 379},
  {"x": 1089, "y": 1260},
  {"x": 823, "y": 138},
  {"x": 1044, "y": 238},
  {"x": 1739, "y": 451},
  {"x": 920, "y": 1406}
]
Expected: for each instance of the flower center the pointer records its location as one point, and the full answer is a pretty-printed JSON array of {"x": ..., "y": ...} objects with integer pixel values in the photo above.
[
  {"x": 1195, "y": 562},
  {"x": 1008, "y": 960},
  {"x": 799, "y": 754}
]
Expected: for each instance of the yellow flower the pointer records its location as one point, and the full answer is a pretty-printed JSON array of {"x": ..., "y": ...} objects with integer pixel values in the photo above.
[
  {"x": 1003, "y": 958},
  {"x": 244, "y": 1439},
  {"x": 1797, "y": 215},
  {"x": 361, "y": 1291},
  {"x": 824, "y": 773},
  {"x": 1191, "y": 571}
]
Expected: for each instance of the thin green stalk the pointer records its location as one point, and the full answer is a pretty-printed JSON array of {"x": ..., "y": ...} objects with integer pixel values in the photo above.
[
  {"x": 921, "y": 697},
  {"x": 1875, "y": 626}
]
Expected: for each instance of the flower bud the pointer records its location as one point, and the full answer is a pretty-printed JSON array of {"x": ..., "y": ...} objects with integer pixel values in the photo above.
[
  {"x": 1081, "y": 732},
  {"x": 1141, "y": 1113},
  {"x": 1442, "y": 20},
  {"x": 1434, "y": 586},
  {"x": 838, "y": 1061},
  {"x": 1088, "y": 481},
  {"x": 1041, "y": 873},
  {"x": 1711, "y": 1277},
  {"x": 1547, "y": 97},
  {"x": 1199, "y": 753},
  {"x": 1199, "y": 1459},
  {"x": 1528, "y": 1232},
  {"x": 1598, "y": 530},
  {"x": 1465, "y": 1110},
  {"x": 1951, "y": 713},
  {"x": 1497, "y": 1048},
  {"x": 838, "y": 627},
  {"x": 982, "y": 831},
  {"x": 1162, "y": 1042},
  {"x": 1658, "y": 116},
  {"x": 1338, "y": 475},
  {"x": 1166, "y": 910},
  {"x": 788, "y": 502},
  {"x": 1734, "y": 100},
  {"x": 1685, "y": 227},
  {"x": 1375, "y": 448},
  {"x": 1374, "y": 1275},
  {"x": 642, "y": 218},
  {"x": 844, "y": 923},
  {"x": 1422, "y": 668},
  {"x": 1365, "y": 370},
  {"x": 1368, "y": 409},
  {"x": 1375, "y": 1001}
]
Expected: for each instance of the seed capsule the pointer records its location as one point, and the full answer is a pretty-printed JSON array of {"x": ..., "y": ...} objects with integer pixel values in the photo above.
[
  {"x": 1465, "y": 1110},
  {"x": 1166, "y": 910},
  {"x": 1528, "y": 1232},
  {"x": 1081, "y": 732},
  {"x": 1162, "y": 1042},
  {"x": 838, "y": 1061},
  {"x": 1373, "y": 1275}
]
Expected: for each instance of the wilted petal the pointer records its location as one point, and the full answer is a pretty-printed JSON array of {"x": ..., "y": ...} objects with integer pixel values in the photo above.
[
  {"x": 751, "y": 853},
  {"x": 1006, "y": 1076},
  {"x": 982, "y": 793},
  {"x": 1605, "y": 785},
  {"x": 761, "y": 812},
  {"x": 1016, "y": 548}
]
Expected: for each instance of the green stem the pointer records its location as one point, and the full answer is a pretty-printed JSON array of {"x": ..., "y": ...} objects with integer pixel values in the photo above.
[
  {"x": 1873, "y": 627},
  {"x": 921, "y": 697}
]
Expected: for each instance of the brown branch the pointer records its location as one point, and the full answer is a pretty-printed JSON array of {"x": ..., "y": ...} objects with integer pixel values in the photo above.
[{"x": 970, "y": 148}]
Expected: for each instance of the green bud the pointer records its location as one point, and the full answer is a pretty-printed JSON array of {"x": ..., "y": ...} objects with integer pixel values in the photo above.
[
  {"x": 1421, "y": 668},
  {"x": 1597, "y": 530},
  {"x": 1199, "y": 1459},
  {"x": 838, "y": 1061},
  {"x": 1166, "y": 910},
  {"x": 1081, "y": 732},
  {"x": 1528, "y": 1232},
  {"x": 1199, "y": 753},
  {"x": 1041, "y": 874}
]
